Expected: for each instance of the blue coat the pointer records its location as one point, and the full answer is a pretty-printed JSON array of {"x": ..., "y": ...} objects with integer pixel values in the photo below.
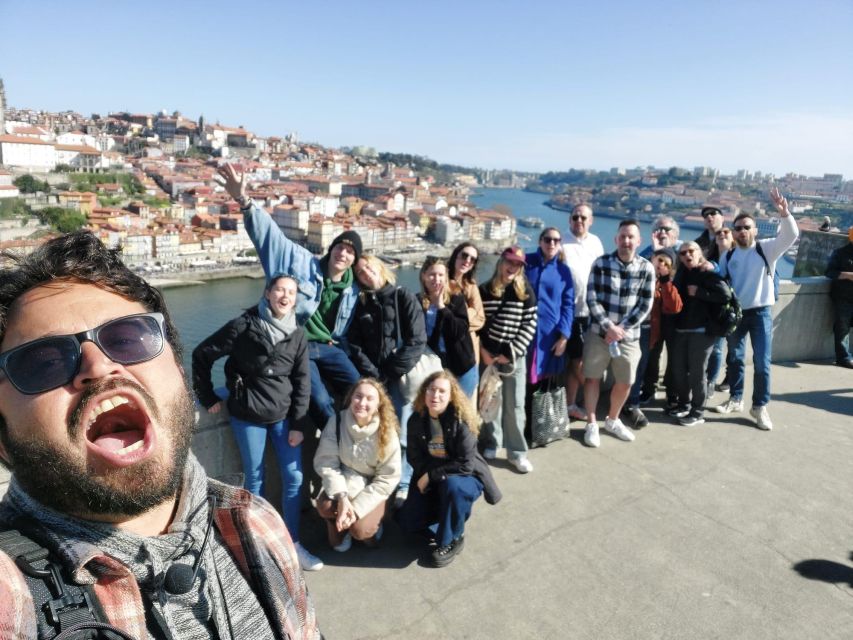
[{"x": 555, "y": 293}]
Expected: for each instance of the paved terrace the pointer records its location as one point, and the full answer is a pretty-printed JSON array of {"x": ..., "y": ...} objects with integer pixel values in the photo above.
[{"x": 716, "y": 531}]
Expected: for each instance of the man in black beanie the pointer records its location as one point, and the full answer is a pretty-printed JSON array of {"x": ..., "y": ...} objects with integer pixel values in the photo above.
[{"x": 326, "y": 295}]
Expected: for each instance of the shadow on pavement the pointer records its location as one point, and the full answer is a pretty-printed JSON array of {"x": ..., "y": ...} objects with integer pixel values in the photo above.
[{"x": 825, "y": 571}]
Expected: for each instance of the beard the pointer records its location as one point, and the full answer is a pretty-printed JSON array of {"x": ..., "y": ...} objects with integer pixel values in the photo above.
[{"x": 61, "y": 478}]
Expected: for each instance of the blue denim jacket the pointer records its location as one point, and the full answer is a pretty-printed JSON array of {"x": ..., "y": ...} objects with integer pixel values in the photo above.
[{"x": 281, "y": 256}]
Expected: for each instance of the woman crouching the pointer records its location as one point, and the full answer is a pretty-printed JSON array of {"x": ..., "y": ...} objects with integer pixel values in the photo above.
[
  {"x": 358, "y": 459},
  {"x": 450, "y": 473}
]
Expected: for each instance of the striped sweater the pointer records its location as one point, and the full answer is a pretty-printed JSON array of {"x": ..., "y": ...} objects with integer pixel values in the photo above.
[{"x": 510, "y": 322}]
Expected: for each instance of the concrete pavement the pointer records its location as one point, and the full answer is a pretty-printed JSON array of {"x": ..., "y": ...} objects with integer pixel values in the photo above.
[{"x": 715, "y": 531}]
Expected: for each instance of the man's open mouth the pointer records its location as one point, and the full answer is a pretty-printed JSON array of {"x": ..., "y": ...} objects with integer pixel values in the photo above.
[{"x": 118, "y": 427}]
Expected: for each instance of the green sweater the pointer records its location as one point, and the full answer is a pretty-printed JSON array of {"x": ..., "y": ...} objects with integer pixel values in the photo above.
[{"x": 322, "y": 321}]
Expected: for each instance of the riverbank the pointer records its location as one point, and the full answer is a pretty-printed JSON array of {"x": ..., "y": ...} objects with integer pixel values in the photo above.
[{"x": 200, "y": 276}]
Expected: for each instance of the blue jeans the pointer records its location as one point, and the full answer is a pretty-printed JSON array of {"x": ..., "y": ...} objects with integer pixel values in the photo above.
[
  {"x": 469, "y": 380},
  {"x": 329, "y": 365},
  {"x": 842, "y": 320},
  {"x": 443, "y": 509},
  {"x": 645, "y": 350},
  {"x": 715, "y": 362},
  {"x": 508, "y": 428},
  {"x": 251, "y": 440},
  {"x": 404, "y": 412},
  {"x": 758, "y": 323}
]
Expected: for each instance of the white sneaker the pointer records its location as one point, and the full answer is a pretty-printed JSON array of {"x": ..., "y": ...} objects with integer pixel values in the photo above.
[
  {"x": 730, "y": 406},
  {"x": 307, "y": 560},
  {"x": 344, "y": 546},
  {"x": 490, "y": 454},
  {"x": 762, "y": 418},
  {"x": 522, "y": 464},
  {"x": 576, "y": 412},
  {"x": 591, "y": 436},
  {"x": 615, "y": 426}
]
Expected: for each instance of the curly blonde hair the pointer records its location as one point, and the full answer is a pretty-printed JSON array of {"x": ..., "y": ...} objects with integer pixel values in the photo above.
[
  {"x": 458, "y": 400},
  {"x": 388, "y": 422}
]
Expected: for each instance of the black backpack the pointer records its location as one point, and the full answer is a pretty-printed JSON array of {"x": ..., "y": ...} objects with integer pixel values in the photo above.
[
  {"x": 774, "y": 274},
  {"x": 727, "y": 317},
  {"x": 64, "y": 610}
]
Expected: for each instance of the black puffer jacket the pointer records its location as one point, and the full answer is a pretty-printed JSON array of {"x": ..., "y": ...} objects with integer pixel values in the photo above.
[
  {"x": 266, "y": 382},
  {"x": 699, "y": 311},
  {"x": 451, "y": 323},
  {"x": 460, "y": 443},
  {"x": 373, "y": 333}
]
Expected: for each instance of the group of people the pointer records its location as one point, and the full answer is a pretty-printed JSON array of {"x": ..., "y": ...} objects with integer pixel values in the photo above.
[{"x": 97, "y": 420}]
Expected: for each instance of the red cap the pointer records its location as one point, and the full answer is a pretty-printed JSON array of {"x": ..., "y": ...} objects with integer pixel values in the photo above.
[{"x": 514, "y": 254}]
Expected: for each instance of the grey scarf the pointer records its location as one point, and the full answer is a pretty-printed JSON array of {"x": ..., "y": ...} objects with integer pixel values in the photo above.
[{"x": 277, "y": 328}]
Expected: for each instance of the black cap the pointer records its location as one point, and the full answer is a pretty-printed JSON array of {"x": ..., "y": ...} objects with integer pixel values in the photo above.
[
  {"x": 352, "y": 239},
  {"x": 706, "y": 211},
  {"x": 669, "y": 252}
]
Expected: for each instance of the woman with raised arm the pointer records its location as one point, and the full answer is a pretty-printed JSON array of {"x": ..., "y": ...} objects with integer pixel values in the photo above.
[
  {"x": 446, "y": 319},
  {"x": 510, "y": 307},
  {"x": 358, "y": 460},
  {"x": 450, "y": 474},
  {"x": 268, "y": 381}
]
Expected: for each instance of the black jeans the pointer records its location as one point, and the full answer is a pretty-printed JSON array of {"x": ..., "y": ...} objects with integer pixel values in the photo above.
[
  {"x": 843, "y": 310},
  {"x": 689, "y": 356}
]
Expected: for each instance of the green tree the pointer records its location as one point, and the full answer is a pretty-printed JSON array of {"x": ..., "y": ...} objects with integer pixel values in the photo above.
[{"x": 27, "y": 184}]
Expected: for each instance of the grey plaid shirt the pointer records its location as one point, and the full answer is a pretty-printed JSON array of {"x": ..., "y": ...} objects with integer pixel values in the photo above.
[{"x": 620, "y": 294}]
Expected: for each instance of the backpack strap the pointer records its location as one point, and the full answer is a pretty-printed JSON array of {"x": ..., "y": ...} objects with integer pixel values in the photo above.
[
  {"x": 59, "y": 605},
  {"x": 763, "y": 257}
]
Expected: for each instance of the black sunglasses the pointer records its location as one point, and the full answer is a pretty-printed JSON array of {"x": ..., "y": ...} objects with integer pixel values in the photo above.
[
  {"x": 467, "y": 256},
  {"x": 551, "y": 240},
  {"x": 53, "y": 361},
  {"x": 664, "y": 229},
  {"x": 577, "y": 217}
]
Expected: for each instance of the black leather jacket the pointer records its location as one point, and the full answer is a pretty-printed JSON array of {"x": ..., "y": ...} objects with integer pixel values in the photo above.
[
  {"x": 451, "y": 323},
  {"x": 372, "y": 334},
  {"x": 266, "y": 382}
]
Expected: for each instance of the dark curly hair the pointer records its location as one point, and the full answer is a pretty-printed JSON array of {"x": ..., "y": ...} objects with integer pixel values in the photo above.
[{"x": 78, "y": 257}]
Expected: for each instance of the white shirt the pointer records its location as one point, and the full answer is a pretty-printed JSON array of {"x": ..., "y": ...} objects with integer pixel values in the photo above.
[
  {"x": 747, "y": 271},
  {"x": 580, "y": 254}
]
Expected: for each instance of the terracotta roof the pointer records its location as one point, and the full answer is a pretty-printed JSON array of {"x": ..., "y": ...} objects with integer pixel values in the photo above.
[
  {"x": 80, "y": 148},
  {"x": 23, "y": 140}
]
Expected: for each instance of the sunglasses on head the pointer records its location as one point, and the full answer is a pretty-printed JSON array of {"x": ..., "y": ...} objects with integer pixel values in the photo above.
[
  {"x": 743, "y": 227},
  {"x": 551, "y": 240},
  {"x": 467, "y": 256},
  {"x": 53, "y": 361},
  {"x": 577, "y": 217}
]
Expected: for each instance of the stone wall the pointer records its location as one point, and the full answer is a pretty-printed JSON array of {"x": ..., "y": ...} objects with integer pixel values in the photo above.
[{"x": 802, "y": 331}]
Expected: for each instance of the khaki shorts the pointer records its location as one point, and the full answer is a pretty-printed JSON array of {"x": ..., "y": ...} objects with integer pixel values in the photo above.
[{"x": 596, "y": 357}]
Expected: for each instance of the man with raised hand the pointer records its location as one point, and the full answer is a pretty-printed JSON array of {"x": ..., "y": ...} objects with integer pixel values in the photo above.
[
  {"x": 580, "y": 249},
  {"x": 749, "y": 266},
  {"x": 95, "y": 425},
  {"x": 619, "y": 295},
  {"x": 325, "y": 299}
]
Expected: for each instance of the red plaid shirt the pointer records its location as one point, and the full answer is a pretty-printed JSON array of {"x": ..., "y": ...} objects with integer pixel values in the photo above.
[{"x": 252, "y": 531}]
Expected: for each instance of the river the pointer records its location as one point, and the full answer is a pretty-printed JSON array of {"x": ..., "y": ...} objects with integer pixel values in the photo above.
[{"x": 200, "y": 310}]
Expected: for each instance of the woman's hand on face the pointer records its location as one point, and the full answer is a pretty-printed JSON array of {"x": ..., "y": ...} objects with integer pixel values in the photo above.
[
  {"x": 436, "y": 296},
  {"x": 215, "y": 408},
  {"x": 423, "y": 483},
  {"x": 295, "y": 438}
]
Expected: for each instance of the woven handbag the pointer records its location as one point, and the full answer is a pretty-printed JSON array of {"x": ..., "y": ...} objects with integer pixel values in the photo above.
[{"x": 549, "y": 415}]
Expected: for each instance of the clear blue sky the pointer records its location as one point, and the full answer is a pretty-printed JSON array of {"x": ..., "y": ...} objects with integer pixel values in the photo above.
[{"x": 528, "y": 85}]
